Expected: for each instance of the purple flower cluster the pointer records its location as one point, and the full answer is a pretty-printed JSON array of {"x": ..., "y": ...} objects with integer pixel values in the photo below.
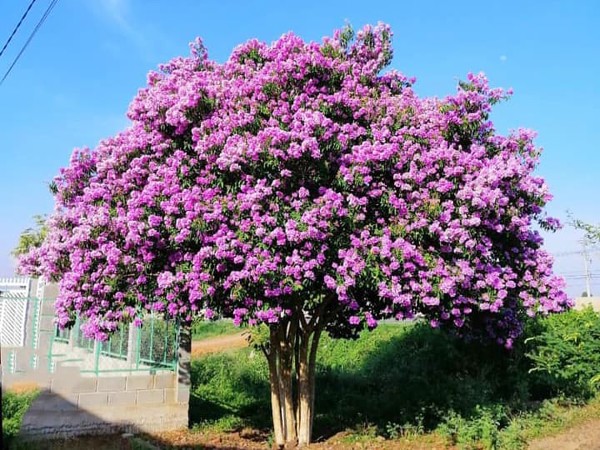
[{"x": 298, "y": 177}]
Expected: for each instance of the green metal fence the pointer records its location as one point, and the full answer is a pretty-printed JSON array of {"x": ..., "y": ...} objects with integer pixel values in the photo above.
[
  {"x": 118, "y": 343},
  {"x": 157, "y": 343},
  {"x": 151, "y": 347}
]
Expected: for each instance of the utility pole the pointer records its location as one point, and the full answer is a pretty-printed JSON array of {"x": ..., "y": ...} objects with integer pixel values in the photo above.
[{"x": 587, "y": 261}]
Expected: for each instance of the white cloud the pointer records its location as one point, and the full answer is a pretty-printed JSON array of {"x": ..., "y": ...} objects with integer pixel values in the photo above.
[
  {"x": 119, "y": 14},
  {"x": 116, "y": 11}
]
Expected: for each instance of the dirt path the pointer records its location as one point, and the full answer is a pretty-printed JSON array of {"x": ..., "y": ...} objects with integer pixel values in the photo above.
[
  {"x": 218, "y": 344},
  {"x": 581, "y": 437}
]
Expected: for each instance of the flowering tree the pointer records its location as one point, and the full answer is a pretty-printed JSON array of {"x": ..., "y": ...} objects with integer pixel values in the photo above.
[{"x": 298, "y": 188}]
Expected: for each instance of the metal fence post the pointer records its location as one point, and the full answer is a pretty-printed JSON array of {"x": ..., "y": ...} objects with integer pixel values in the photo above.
[
  {"x": 131, "y": 344},
  {"x": 97, "y": 350}
]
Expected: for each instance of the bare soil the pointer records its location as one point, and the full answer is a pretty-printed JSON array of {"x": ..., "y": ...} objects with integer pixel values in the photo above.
[
  {"x": 253, "y": 440},
  {"x": 585, "y": 436},
  {"x": 23, "y": 387},
  {"x": 218, "y": 344}
]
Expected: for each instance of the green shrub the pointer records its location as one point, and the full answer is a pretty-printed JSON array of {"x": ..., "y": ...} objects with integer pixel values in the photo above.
[
  {"x": 480, "y": 430},
  {"x": 566, "y": 355},
  {"x": 408, "y": 375},
  {"x": 14, "y": 407},
  {"x": 230, "y": 385}
]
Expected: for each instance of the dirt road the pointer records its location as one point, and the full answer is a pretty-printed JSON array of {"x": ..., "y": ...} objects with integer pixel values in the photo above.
[
  {"x": 218, "y": 344},
  {"x": 581, "y": 437}
]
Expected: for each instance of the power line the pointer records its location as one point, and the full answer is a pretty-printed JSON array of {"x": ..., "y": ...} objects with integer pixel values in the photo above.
[
  {"x": 17, "y": 27},
  {"x": 576, "y": 252},
  {"x": 587, "y": 261},
  {"x": 35, "y": 30}
]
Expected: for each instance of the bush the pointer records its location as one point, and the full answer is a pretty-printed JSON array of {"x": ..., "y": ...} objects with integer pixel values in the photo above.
[
  {"x": 415, "y": 376},
  {"x": 565, "y": 352},
  {"x": 230, "y": 385},
  {"x": 14, "y": 407},
  {"x": 482, "y": 429}
]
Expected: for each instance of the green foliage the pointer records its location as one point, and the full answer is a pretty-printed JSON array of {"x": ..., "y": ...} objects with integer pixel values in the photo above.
[
  {"x": 32, "y": 237},
  {"x": 403, "y": 380},
  {"x": 14, "y": 407},
  {"x": 566, "y": 354},
  {"x": 482, "y": 429},
  {"x": 137, "y": 443},
  {"x": 399, "y": 378},
  {"x": 230, "y": 391},
  {"x": 413, "y": 375},
  {"x": 592, "y": 232},
  {"x": 202, "y": 329}
]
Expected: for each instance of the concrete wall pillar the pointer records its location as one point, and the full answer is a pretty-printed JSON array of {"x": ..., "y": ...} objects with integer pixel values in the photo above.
[
  {"x": 184, "y": 366},
  {"x": 132, "y": 344}
]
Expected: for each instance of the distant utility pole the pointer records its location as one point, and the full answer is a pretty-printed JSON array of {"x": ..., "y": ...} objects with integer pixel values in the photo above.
[{"x": 587, "y": 261}]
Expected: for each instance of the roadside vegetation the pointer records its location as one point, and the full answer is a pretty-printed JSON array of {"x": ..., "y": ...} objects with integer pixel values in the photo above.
[
  {"x": 14, "y": 407},
  {"x": 408, "y": 381}
]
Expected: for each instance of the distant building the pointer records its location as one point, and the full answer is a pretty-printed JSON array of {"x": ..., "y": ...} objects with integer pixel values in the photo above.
[{"x": 582, "y": 302}]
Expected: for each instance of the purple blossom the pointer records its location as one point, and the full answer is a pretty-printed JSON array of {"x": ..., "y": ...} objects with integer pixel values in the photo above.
[{"x": 295, "y": 174}]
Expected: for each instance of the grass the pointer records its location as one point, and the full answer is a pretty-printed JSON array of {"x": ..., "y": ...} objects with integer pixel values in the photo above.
[
  {"x": 202, "y": 329},
  {"x": 398, "y": 382}
]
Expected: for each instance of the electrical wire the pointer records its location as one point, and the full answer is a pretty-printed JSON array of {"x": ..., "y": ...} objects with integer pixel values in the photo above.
[
  {"x": 17, "y": 27},
  {"x": 35, "y": 30}
]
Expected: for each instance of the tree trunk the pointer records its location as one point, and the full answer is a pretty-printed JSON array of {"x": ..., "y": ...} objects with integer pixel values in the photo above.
[
  {"x": 276, "y": 409},
  {"x": 312, "y": 366},
  {"x": 184, "y": 365},
  {"x": 304, "y": 395},
  {"x": 292, "y": 391},
  {"x": 286, "y": 377}
]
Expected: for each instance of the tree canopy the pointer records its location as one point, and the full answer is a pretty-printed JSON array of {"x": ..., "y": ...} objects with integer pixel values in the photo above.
[
  {"x": 591, "y": 232},
  {"x": 296, "y": 174}
]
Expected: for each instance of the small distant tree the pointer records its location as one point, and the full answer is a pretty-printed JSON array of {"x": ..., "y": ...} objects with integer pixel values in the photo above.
[
  {"x": 32, "y": 237},
  {"x": 592, "y": 232},
  {"x": 299, "y": 189}
]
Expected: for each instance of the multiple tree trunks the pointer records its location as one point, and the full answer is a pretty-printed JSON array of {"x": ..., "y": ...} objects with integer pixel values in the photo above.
[{"x": 291, "y": 354}]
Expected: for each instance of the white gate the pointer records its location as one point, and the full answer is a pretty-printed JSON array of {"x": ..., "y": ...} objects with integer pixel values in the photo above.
[{"x": 14, "y": 299}]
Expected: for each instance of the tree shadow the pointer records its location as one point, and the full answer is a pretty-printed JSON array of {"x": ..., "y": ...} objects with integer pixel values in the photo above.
[
  {"x": 416, "y": 379},
  {"x": 230, "y": 394}
]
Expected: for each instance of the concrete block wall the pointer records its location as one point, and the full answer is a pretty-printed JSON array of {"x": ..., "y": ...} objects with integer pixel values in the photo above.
[
  {"x": 74, "y": 404},
  {"x": 584, "y": 302}
]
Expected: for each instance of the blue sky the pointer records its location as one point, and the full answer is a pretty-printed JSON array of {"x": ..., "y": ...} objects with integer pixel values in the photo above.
[{"x": 73, "y": 84}]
